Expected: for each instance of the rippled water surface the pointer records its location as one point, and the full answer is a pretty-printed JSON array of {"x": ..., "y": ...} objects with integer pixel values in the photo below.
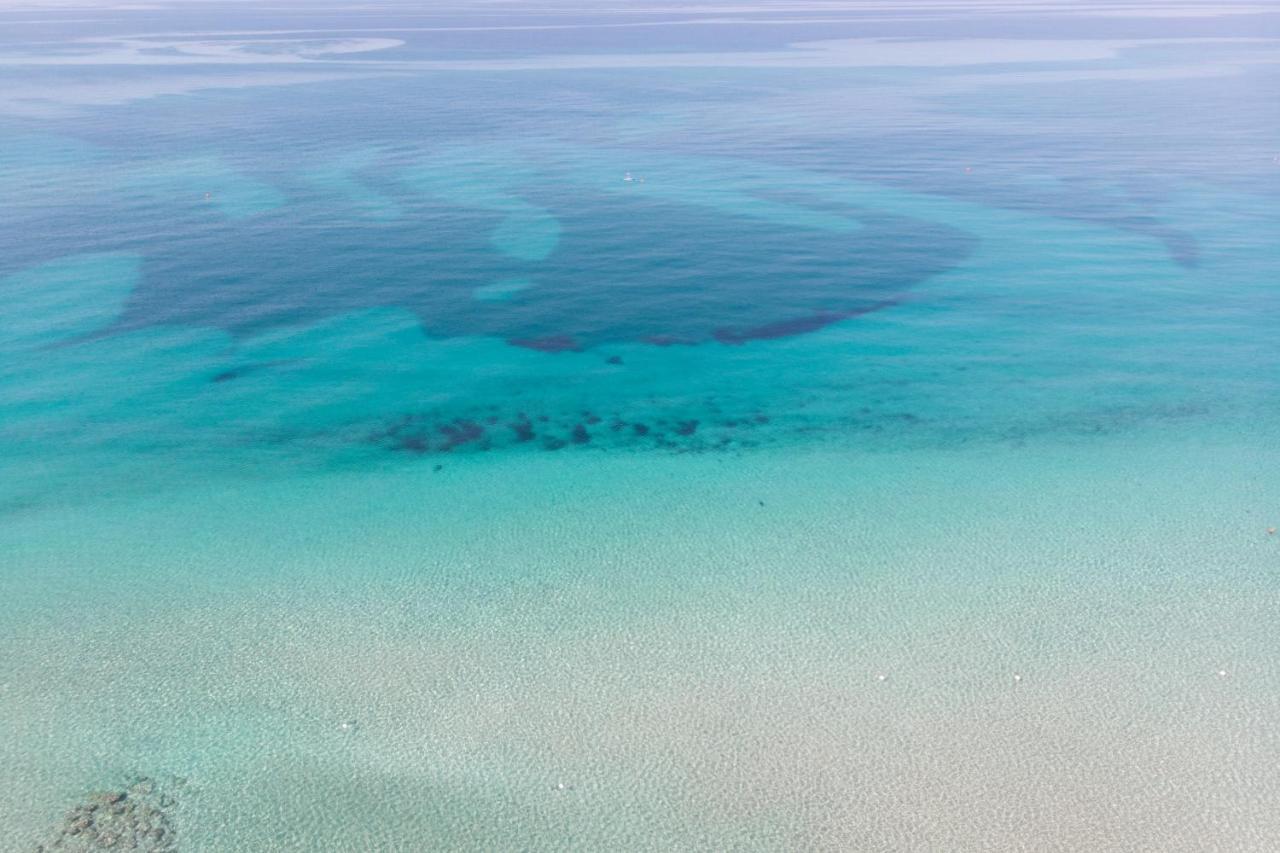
[{"x": 630, "y": 426}]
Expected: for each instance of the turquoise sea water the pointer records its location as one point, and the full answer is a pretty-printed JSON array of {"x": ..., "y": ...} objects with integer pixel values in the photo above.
[{"x": 743, "y": 426}]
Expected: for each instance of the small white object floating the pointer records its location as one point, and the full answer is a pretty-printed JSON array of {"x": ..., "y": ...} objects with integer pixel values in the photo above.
[
  {"x": 1017, "y": 676},
  {"x": 1222, "y": 673},
  {"x": 628, "y": 178},
  {"x": 881, "y": 676}
]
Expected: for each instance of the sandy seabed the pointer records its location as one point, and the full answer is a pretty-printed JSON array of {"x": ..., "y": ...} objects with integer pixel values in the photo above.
[{"x": 1061, "y": 647}]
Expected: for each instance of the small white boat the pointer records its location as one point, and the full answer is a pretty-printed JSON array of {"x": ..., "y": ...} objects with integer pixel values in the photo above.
[{"x": 627, "y": 177}]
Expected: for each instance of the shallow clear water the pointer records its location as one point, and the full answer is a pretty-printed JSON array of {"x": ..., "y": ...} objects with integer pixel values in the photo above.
[{"x": 885, "y": 464}]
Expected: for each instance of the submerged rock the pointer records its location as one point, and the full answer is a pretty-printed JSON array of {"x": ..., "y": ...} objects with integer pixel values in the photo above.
[
  {"x": 686, "y": 427},
  {"x": 138, "y": 816},
  {"x": 523, "y": 429}
]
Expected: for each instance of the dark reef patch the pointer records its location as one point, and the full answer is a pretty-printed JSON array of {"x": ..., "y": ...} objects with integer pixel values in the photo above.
[
  {"x": 686, "y": 427},
  {"x": 412, "y": 444},
  {"x": 523, "y": 429},
  {"x": 657, "y": 423},
  {"x": 780, "y": 329},
  {"x": 795, "y": 326},
  {"x": 419, "y": 433},
  {"x": 460, "y": 432}
]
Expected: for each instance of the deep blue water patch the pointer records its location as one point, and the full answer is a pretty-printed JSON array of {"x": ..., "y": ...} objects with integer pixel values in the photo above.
[{"x": 626, "y": 268}]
